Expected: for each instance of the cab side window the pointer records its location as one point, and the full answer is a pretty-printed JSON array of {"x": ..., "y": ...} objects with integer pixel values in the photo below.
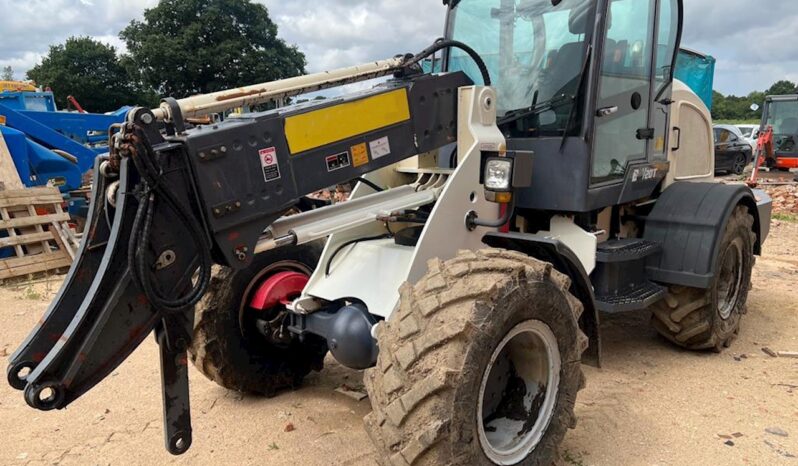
[
  {"x": 624, "y": 89},
  {"x": 666, "y": 42}
]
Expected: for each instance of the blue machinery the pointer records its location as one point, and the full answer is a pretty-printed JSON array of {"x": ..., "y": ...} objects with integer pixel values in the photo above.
[{"x": 49, "y": 146}]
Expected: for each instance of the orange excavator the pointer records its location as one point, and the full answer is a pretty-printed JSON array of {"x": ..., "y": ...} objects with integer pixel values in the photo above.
[
  {"x": 777, "y": 145},
  {"x": 764, "y": 155}
]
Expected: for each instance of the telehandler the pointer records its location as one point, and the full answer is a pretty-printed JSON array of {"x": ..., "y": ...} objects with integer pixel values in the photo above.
[{"x": 552, "y": 170}]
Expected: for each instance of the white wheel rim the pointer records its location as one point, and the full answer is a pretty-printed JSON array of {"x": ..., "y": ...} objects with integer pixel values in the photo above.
[{"x": 530, "y": 351}]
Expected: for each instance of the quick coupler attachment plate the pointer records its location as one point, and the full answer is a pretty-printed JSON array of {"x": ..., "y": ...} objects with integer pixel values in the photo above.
[{"x": 101, "y": 314}]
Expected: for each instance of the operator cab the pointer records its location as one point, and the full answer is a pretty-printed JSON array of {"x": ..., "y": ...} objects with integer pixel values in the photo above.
[
  {"x": 781, "y": 113},
  {"x": 585, "y": 84}
]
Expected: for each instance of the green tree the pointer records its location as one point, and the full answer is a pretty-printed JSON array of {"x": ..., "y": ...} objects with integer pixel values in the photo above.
[
  {"x": 782, "y": 88},
  {"x": 91, "y": 72},
  {"x": 186, "y": 47},
  {"x": 719, "y": 106},
  {"x": 8, "y": 74},
  {"x": 731, "y": 107}
]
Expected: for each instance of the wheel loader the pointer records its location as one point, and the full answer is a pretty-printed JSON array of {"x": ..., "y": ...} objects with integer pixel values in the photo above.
[{"x": 536, "y": 167}]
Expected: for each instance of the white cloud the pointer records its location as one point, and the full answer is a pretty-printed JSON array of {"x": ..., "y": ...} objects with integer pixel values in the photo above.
[
  {"x": 338, "y": 33},
  {"x": 29, "y": 28},
  {"x": 21, "y": 63},
  {"x": 754, "y": 47}
]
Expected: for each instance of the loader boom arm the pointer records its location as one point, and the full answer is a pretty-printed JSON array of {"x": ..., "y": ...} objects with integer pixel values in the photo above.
[
  {"x": 257, "y": 94},
  {"x": 167, "y": 206}
]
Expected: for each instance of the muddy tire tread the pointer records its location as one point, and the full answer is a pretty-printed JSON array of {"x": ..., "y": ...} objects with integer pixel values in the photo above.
[
  {"x": 421, "y": 348},
  {"x": 686, "y": 316},
  {"x": 219, "y": 354}
]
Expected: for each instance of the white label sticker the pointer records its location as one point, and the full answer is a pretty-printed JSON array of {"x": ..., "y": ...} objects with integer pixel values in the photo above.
[
  {"x": 380, "y": 147},
  {"x": 268, "y": 161}
]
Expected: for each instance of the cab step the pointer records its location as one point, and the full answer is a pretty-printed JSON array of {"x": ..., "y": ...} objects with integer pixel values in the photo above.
[{"x": 620, "y": 280}]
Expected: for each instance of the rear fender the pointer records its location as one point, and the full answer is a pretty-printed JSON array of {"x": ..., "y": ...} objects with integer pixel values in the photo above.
[{"x": 689, "y": 219}]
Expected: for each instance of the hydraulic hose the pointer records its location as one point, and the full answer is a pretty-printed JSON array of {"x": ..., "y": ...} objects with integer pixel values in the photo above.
[
  {"x": 152, "y": 191},
  {"x": 473, "y": 221},
  {"x": 441, "y": 44}
]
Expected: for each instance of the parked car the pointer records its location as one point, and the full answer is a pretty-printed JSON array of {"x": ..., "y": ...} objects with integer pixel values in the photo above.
[
  {"x": 732, "y": 152},
  {"x": 750, "y": 133}
]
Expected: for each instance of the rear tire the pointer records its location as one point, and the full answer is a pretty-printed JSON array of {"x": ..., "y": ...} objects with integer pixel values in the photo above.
[
  {"x": 699, "y": 319},
  {"x": 473, "y": 333},
  {"x": 230, "y": 351}
]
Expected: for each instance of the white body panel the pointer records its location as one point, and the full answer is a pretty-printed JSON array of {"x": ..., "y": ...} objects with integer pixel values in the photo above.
[
  {"x": 582, "y": 243},
  {"x": 695, "y": 158},
  {"x": 373, "y": 271},
  {"x": 367, "y": 271},
  {"x": 446, "y": 231}
]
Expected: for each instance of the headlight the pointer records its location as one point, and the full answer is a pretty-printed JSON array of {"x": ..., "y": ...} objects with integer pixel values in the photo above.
[{"x": 498, "y": 174}]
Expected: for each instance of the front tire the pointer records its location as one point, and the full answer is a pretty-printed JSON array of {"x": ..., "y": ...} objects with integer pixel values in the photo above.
[
  {"x": 480, "y": 339},
  {"x": 699, "y": 319},
  {"x": 228, "y": 349}
]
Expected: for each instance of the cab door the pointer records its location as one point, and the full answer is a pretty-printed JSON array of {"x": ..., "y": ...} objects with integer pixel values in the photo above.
[
  {"x": 668, "y": 35},
  {"x": 622, "y": 131}
]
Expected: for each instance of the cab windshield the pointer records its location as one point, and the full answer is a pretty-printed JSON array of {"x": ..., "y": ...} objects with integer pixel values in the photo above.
[
  {"x": 535, "y": 53},
  {"x": 783, "y": 117}
]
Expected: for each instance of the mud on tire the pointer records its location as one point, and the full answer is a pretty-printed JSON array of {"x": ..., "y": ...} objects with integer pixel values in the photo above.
[
  {"x": 227, "y": 351},
  {"x": 699, "y": 319},
  {"x": 436, "y": 347}
]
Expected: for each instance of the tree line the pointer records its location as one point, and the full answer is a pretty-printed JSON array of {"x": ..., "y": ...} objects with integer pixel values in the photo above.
[
  {"x": 179, "y": 48},
  {"x": 736, "y": 108}
]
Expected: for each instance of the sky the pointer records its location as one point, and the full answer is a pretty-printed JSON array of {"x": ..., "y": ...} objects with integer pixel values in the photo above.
[{"x": 752, "y": 54}]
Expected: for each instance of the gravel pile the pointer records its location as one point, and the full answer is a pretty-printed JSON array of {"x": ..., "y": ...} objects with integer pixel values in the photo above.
[{"x": 785, "y": 198}]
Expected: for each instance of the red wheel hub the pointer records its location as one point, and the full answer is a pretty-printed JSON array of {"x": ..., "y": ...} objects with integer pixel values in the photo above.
[{"x": 279, "y": 288}]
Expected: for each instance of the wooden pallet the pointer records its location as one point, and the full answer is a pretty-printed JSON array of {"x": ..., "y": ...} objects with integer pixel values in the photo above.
[
  {"x": 9, "y": 177},
  {"x": 35, "y": 227}
]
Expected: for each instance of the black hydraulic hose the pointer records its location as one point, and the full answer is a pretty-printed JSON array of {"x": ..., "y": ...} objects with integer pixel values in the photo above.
[
  {"x": 441, "y": 44},
  {"x": 369, "y": 184},
  {"x": 152, "y": 190},
  {"x": 474, "y": 220}
]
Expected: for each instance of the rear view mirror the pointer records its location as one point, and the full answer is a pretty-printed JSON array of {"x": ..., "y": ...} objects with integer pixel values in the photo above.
[{"x": 754, "y": 107}]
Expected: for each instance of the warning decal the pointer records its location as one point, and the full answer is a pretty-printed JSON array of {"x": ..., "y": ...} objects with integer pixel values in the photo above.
[
  {"x": 380, "y": 147},
  {"x": 337, "y": 161},
  {"x": 360, "y": 155},
  {"x": 268, "y": 161}
]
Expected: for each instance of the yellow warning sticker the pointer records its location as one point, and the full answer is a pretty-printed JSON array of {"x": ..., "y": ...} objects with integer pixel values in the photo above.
[{"x": 360, "y": 155}]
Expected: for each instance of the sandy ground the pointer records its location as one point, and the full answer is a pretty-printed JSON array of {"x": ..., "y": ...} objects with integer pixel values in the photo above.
[{"x": 650, "y": 404}]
